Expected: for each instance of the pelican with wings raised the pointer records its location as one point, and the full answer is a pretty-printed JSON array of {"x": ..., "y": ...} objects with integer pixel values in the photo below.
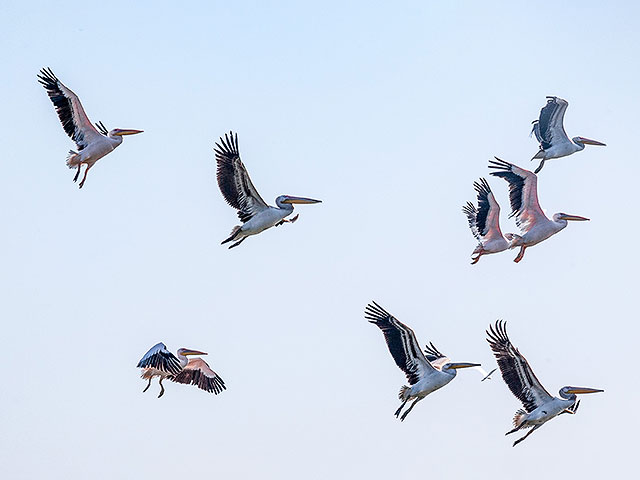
[
  {"x": 160, "y": 362},
  {"x": 539, "y": 405},
  {"x": 239, "y": 192},
  {"x": 484, "y": 222},
  {"x": 92, "y": 143},
  {"x": 523, "y": 194},
  {"x": 549, "y": 130},
  {"x": 426, "y": 372}
]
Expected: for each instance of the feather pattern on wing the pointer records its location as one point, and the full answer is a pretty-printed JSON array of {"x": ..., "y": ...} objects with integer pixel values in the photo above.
[
  {"x": 549, "y": 128},
  {"x": 523, "y": 193},
  {"x": 197, "y": 372},
  {"x": 484, "y": 220},
  {"x": 515, "y": 369},
  {"x": 402, "y": 343},
  {"x": 233, "y": 179},
  {"x": 160, "y": 358},
  {"x": 69, "y": 109}
]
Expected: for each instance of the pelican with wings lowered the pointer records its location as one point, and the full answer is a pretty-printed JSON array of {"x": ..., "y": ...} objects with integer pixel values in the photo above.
[
  {"x": 523, "y": 194},
  {"x": 239, "y": 192},
  {"x": 484, "y": 222},
  {"x": 549, "y": 130},
  {"x": 539, "y": 405},
  {"x": 160, "y": 362},
  {"x": 426, "y": 372},
  {"x": 92, "y": 143}
]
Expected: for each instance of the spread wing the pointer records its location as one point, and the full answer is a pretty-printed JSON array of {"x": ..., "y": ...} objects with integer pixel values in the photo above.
[
  {"x": 515, "y": 369},
  {"x": 160, "y": 358},
  {"x": 233, "y": 179},
  {"x": 197, "y": 372},
  {"x": 484, "y": 221},
  {"x": 523, "y": 193},
  {"x": 402, "y": 343},
  {"x": 549, "y": 128},
  {"x": 435, "y": 357},
  {"x": 69, "y": 109}
]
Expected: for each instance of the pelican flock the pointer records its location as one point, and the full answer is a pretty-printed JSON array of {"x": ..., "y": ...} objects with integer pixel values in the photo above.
[
  {"x": 549, "y": 130},
  {"x": 160, "y": 362},
  {"x": 239, "y": 192},
  {"x": 426, "y": 372},
  {"x": 539, "y": 405},
  {"x": 92, "y": 143}
]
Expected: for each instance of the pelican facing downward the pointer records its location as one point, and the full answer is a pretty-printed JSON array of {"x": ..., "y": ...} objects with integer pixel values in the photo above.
[
  {"x": 92, "y": 144},
  {"x": 539, "y": 405},
  {"x": 160, "y": 362},
  {"x": 549, "y": 130},
  {"x": 523, "y": 193},
  {"x": 484, "y": 223},
  {"x": 425, "y": 374},
  {"x": 239, "y": 192}
]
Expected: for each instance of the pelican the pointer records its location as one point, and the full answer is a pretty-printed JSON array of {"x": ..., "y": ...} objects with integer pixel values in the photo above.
[
  {"x": 488, "y": 375},
  {"x": 549, "y": 130},
  {"x": 534, "y": 224},
  {"x": 92, "y": 143},
  {"x": 425, "y": 374},
  {"x": 539, "y": 405},
  {"x": 239, "y": 192},
  {"x": 160, "y": 362},
  {"x": 484, "y": 222}
]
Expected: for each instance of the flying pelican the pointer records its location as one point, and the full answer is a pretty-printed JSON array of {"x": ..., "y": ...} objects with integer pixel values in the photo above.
[
  {"x": 92, "y": 144},
  {"x": 160, "y": 362},
  {"x": 484, "y": 222},
  {"x": 539, "y": 405},
  {"x": 425, "y": 374},
  {"x": 549, "y": 130},
  {"x": 239, "y": 192},
  {"x": 533, "y": 223},
  {"x": 488, "y": 375}
]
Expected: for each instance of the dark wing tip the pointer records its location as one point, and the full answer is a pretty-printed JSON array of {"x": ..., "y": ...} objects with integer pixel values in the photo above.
[{"x": 374, "y": 313}]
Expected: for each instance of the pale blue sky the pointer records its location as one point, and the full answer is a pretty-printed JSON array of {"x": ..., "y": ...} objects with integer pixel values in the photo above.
[{"x": 386, "y": 113}]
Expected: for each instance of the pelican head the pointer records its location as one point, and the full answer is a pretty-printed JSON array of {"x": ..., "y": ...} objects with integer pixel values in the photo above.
[
  {"x": 187, "y": 351},
  {"x": 288, "y": 200},
  {"x": 587, "y": 141},
  {"x": 566, "y": 216},
  {"x": 569, "y": 392},
  {"x": 120, "y": 132}
]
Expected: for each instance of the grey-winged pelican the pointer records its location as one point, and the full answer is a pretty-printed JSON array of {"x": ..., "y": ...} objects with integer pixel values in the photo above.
[
  {"x": 539, "y": 405},
  {"x": 239, "y": 192}
]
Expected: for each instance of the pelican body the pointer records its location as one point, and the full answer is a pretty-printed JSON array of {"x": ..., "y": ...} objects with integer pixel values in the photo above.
[
  {"x": 160, "y": 362},
  {"x": 425, "y": 374},
  {"x": 92, "y": 143},
  {"x": 535, "y": 226},
  {"x": 549, "y": 130},
  {"x": 484, "y": 222},
  {"x": 239, "y": 192},
  {"x": 539, "y": 405}
]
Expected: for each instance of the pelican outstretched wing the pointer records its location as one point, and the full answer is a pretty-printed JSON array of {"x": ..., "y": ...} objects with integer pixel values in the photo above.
[
  {"x": 402, "y": 343},
  {"x": 523, "y": 193},
  {"x": 160, "y": 358},
  {"x": 549, "y": 128},
  {"x": 234, "y": 181},
  {"x": 436, "y": 358},
  {"x": 515, "y": 369},
  {"x": 69, "y": 109},
  {"x": 484, "y": 221},
  {"x": 197, "y": 372}
]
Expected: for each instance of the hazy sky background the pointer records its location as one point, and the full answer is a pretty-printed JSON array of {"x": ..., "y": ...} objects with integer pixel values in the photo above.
[{"x": 386, "y": 113}]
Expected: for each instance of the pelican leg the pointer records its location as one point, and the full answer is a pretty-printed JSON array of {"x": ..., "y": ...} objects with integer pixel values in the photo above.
[
  {"x": 404, "y": 415},
  {"x": 397, "y": 414},
  {"x": 85, "y": 176},
  {"x": 75, "y": 179},
  {"x": 539, "y": 166},
  {"x": 147, "y": 387},
  {"x": 530, "y": 432},
  {"x": 161, "y": 388},
  {"x": 476, "y": 259},
  {"x": 520, "y": 254},
  {"x": 238, "y": 243}
]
